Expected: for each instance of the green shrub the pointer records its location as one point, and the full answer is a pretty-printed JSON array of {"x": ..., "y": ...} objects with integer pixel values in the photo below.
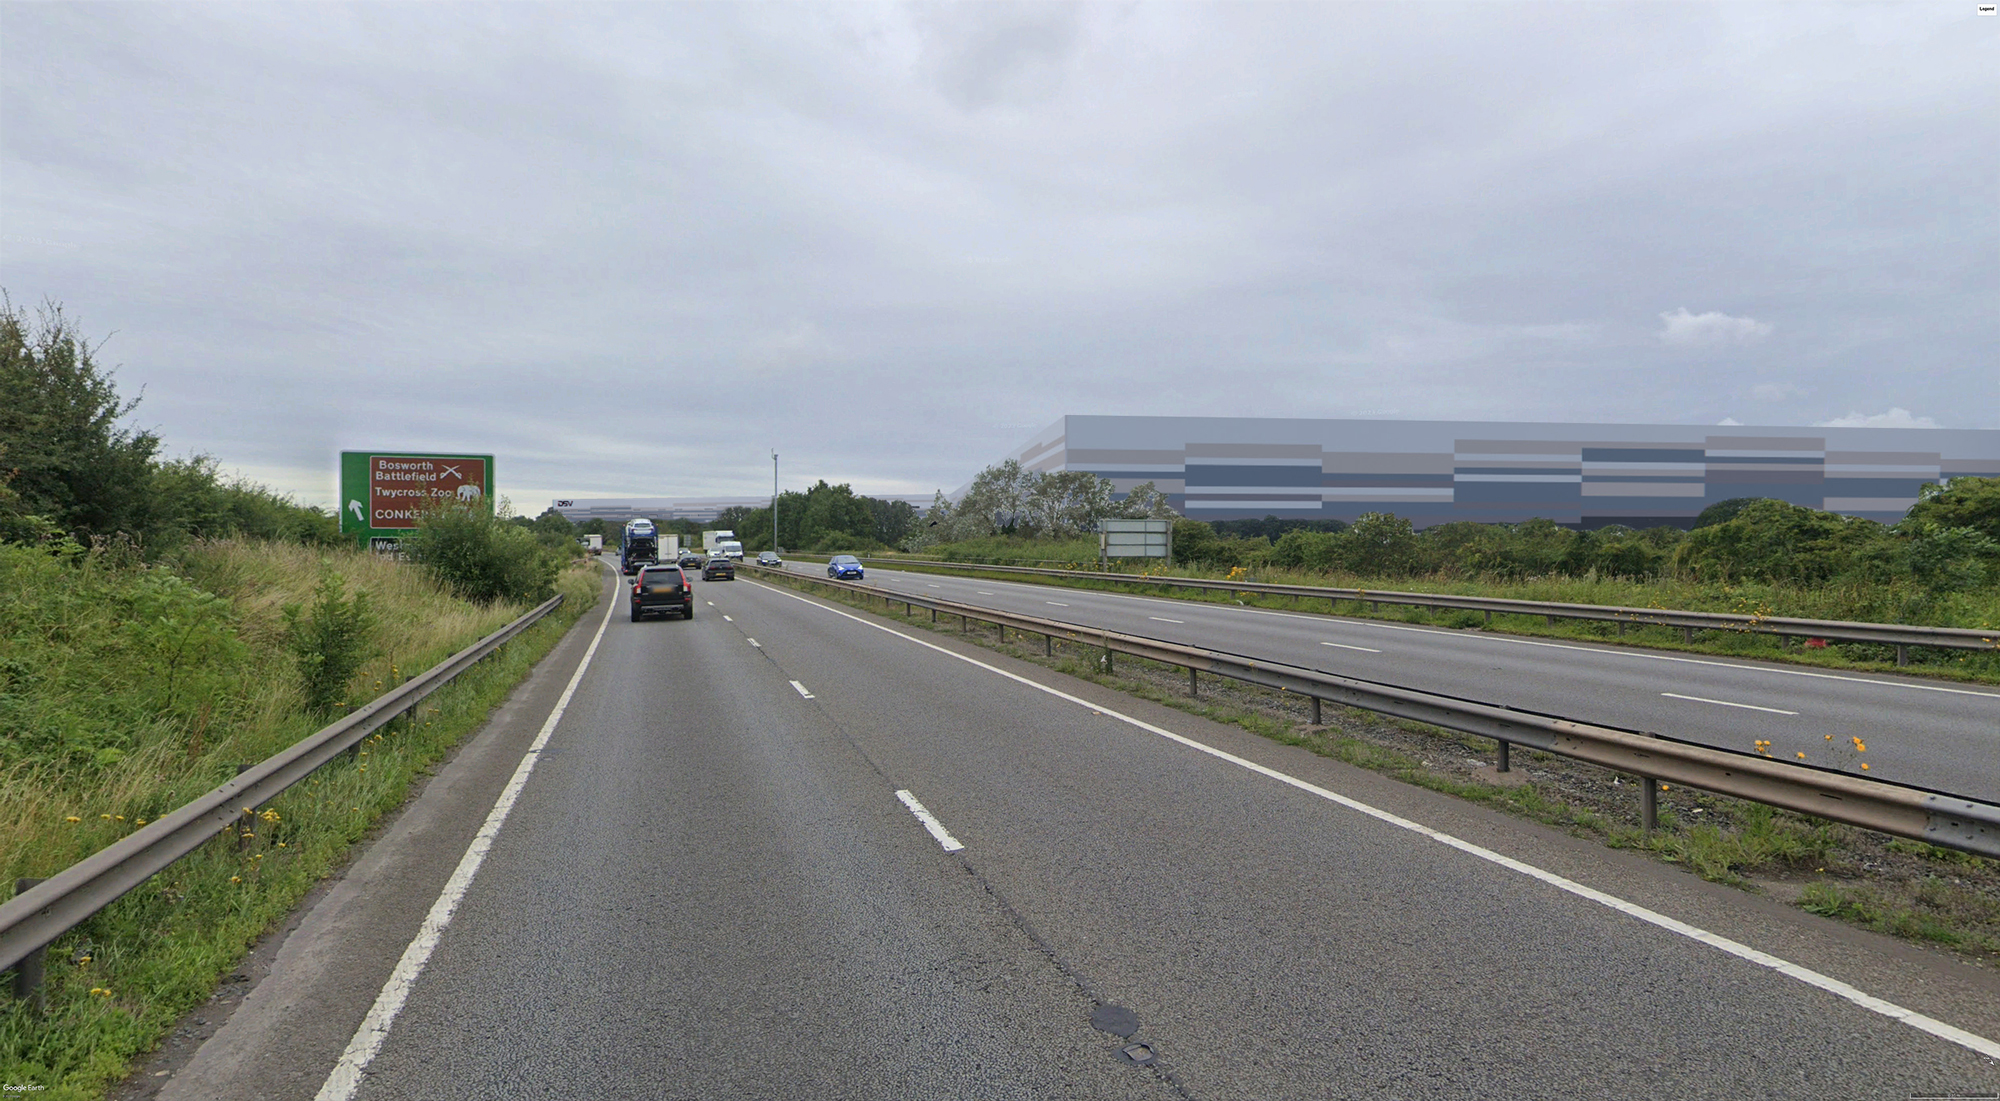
[
  {"x": 1963, "y": 502},
  {"x": 482, "y": 557},
  {"x": 330, "y": 647}
]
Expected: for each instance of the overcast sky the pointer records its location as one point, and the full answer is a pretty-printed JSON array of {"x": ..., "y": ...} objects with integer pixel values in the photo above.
[{"x": 630, "y": 249}]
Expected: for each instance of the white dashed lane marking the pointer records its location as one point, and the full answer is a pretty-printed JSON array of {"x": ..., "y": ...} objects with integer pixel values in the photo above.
[
  {"x": 944, "y": 837},
  {"x": 802, "y": 690},
  {"x": 1344, "y": 646},
  {"x": 1726, "y": 703}
]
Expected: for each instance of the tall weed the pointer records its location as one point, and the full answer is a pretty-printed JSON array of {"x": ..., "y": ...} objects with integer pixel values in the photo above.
[{"x": 329, "y": 647}]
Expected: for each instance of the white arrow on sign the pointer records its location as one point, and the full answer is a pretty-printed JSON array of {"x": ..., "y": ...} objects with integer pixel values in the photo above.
[{"x": 360, "y": 514}]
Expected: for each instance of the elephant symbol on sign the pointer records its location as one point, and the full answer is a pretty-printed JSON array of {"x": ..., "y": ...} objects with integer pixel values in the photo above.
[{"x": 468, "y": 492}]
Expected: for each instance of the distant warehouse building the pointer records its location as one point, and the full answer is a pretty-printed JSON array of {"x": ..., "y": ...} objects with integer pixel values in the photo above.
[
  {"x": 701, "y": 510},
  {"x": 1433, "y": 472}
]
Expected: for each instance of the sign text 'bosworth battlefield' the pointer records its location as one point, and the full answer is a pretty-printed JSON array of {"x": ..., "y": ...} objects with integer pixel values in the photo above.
[{"x": 382, "y": 494}]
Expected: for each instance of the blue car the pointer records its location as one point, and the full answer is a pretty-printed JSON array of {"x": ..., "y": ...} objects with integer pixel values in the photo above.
[{"x": 844, "y": 567}]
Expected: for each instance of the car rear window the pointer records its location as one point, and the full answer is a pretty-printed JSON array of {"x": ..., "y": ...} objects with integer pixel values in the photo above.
[{"x": 663, "y": 577}]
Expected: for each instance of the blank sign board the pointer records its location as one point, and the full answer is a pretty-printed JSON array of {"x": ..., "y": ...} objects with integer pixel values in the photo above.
[{"x": 1135, "y": 538}]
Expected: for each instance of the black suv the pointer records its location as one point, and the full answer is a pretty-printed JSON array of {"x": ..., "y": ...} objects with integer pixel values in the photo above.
[
  {"x": 719, "y": 568},
  {"x": 691, "y": 561},
  {"x": 662, "y": 589}
]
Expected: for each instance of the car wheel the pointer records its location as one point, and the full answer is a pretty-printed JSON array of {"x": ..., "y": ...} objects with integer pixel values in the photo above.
[
  {"x": 687, "y": 612},
  {"x": 636, "y": 615}
]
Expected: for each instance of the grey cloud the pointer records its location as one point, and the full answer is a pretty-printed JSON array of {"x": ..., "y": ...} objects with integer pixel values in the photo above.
[{"x": 891, "y": 240}]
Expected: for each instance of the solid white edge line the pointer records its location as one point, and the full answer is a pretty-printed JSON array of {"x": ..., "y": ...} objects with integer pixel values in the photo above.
[
  {"x": 1726, "y": 703},
  {"x": 1057, "y": 603},
  {"x": 1608, "y": 651},
  {"x": 753, "y": 642},
  {"x": 346, "y": 1075},
  {"x": 1164, "y": 619},
  {"x": 1345, "y": 646},
  {"x": 951, "y": 844},
  {"x": 725, "y": 619},
  {"x": 1910, "y": 1017},
  {"x": 802, "y": 690}
]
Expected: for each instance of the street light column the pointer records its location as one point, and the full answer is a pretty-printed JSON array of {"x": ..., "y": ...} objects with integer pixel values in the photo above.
[{"x": 774, "y": 504}]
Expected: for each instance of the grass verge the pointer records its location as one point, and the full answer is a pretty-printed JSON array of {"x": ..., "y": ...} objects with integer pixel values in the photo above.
[
  {"x": 1918, "y": 892},
  {"x": 118, "y": 982}
]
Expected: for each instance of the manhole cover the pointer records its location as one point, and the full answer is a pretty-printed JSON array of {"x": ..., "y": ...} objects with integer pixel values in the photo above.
[{"x": 1115, "y": 1019}]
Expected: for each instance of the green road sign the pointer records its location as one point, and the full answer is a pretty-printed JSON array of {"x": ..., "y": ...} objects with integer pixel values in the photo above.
[{"x": 383, "y": 492}]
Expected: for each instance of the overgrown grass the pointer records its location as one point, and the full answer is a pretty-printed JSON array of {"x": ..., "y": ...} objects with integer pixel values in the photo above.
[
  {"x": 1977, "y": 609},
  {"x": 116, "y": 983}
]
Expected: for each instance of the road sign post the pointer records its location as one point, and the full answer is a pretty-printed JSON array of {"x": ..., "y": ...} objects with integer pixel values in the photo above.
[{"x": 383, "y": 493}]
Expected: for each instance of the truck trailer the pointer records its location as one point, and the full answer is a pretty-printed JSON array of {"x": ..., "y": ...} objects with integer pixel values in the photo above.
[{"x": 639, "y": 546}]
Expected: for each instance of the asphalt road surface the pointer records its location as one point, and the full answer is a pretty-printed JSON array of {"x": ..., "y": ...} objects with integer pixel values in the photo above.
[
  {"x": 716, "y": 883},
  {"x": 1933, "y": 734}
]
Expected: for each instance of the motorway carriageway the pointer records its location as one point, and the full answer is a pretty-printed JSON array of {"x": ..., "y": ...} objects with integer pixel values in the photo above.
[
  {"x": 789, "y": 850},
  {"x": 1934, "y": 734}
]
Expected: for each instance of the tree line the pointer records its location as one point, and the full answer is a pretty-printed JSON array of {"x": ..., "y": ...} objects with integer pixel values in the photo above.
[
  {"x": 69, "y": 470},
  {"x": 75, "y": 481},
  {"x": 1948, "y": 542}
]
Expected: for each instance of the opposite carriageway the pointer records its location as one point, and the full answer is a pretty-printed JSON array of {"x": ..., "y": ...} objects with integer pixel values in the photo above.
[
  {"x": 1927, "y": 732},
  {"x": 1937, "y": 817}
]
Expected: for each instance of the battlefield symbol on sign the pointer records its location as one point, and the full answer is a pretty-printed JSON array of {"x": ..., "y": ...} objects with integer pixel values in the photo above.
[{"x": 384, "y": 495}]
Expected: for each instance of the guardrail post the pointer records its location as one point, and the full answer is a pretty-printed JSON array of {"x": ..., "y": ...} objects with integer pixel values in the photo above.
[
  {"x": 249, "y": 820},
  {"x": 28, "y": 973},
  {"x": 1505, "y": 764},
  {"x": 1489, "y": 617},
  {"x": 1003, "y": 632},
  {"x": 1194, "y": 686},
  {"x": 1649, "y": 803},
  {"x": 1316, "y": 715},
  {"x": 1551, "y": 619},
  {"x": 1687, "y": 635},
  {"x": 1902, "y": 654},
  {"x": 933, "y": 615},
  {"x": 1621, "y": 628},
  {"x": 1107, "y": 660}
]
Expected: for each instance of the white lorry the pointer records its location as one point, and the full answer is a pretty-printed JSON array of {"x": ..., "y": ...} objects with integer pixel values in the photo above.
[{"x": 723, "y": 543}]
